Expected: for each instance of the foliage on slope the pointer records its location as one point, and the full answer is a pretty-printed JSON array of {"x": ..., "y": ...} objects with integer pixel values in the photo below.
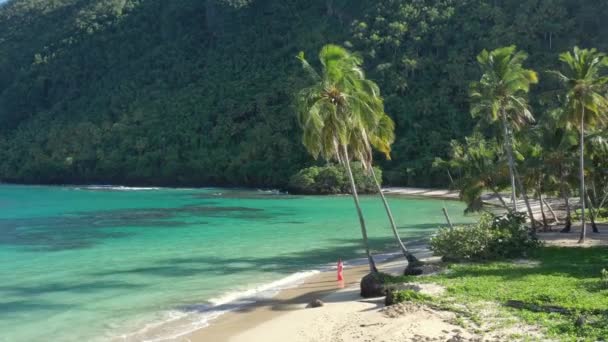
[
  {"x": 200, "y": 92},
  {"x": 332, "y": 179}
]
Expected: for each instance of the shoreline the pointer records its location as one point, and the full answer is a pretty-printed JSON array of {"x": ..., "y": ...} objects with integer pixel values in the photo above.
[
  {"x": 291, "y": 298},
  {"x": 423, "y": 193},
  {"x": 318, "y": 286},
  {"x": 280, "y": 314},
  {"x": 435, "y": 193}
]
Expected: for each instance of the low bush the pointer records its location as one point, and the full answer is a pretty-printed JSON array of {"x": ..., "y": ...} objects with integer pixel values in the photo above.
[
  {"x": 493, "y": 237},
  {"x": 410, "y": 296},
  {"x": 332, "y": 179}
]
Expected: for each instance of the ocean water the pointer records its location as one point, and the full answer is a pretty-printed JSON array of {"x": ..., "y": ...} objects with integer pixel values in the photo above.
[{"x": 130, "y": 264}]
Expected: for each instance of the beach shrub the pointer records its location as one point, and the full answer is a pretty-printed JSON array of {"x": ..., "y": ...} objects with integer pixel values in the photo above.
[
  {"x": 332, "y": 179},
  {"x": 396, "y": 297},
  {"x": 304, "y": 181},
  {"x": 492, "y": 237}
]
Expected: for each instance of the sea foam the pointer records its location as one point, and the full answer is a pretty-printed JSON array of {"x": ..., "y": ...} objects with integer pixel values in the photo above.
[{"x": 117, "y": 188}]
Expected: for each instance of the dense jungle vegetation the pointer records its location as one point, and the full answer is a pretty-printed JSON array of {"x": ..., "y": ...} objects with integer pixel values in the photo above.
[{"x": 196, "y": 92}]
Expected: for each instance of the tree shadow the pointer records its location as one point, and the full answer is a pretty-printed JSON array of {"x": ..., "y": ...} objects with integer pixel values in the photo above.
[
  {"x": 285, "y": 304},
  {"x": 88, "y": 287},
  {"x": 15, "y": 307},
  {"x": 596, "y": 286},
  {"x": 350, "y": 250}
]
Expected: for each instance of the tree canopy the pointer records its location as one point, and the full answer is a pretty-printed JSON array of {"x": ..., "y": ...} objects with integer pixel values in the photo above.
[{"x": 201, "y": 92}]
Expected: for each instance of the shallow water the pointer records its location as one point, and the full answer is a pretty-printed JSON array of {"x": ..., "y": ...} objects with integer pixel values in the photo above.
[{"x": 99, "y": 263}]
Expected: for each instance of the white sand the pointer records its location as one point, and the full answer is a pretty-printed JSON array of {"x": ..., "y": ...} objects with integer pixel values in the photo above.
[
  {"x": 347, "y": 317},
  {"x": 571, "y": 239},
  {"x": 421, "y": 192}
]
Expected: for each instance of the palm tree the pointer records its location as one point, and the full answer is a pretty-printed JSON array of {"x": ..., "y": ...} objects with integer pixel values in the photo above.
[
  {"x": 558, "y": 144},
  {"x": 343, "y": 117},
  {"x": 585, "y": 104},
  {"x": 325, "y": 111},
  {"x": 534, "y": 168},
  {"x": 500, "y": 95},
  {"x": 372, "y": 127},
  {"x": 411, "y": 258},
  {"x": 597, "y": 147}
]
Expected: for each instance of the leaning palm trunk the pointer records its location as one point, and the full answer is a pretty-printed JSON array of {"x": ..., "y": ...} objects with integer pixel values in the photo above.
[
  {"x": 526, "y": 200},
  {"x": 582, "y": 177},
  {"x": 566, "y": 197},
  {"x": 509, "y": 151},
  {"x": 542, "y": 210},
  {"x": 372, "y": 264},
  {"x": 544, "y": 216},
  {"x": 409, "y": 256},
  {"x": 603, "y": 201},
  {"x": 592, "y": 214},
  {"x": 515, "y": 180},
  {"x": 502, "y": 201},
  {"x": 555, "y": 218},
  {"x": 568, "y": 223}
]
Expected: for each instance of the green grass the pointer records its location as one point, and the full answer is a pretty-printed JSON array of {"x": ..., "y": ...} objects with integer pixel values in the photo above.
[
  {"x": 601, "y": 215},
  {"x": 565, "y": 277},
  {"x": 411, "y": 296}
]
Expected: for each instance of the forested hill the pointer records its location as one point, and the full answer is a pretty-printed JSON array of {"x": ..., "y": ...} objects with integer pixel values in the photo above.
[{"x": 195, "y": 92}]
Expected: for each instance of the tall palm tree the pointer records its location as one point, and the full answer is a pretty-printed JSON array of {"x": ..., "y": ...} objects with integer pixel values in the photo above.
[
  {"x": 534, "y": 168},
  {"x": 558, "y": 144},
  {"x": 359, "y": 121},
  {"x": 597, "y": 147},
  {"x": 325, "y": 113},
  {"x": 373, "y": 128},
  {"x": 584, "y": 104},
  {"x": 500, "y": 96}
]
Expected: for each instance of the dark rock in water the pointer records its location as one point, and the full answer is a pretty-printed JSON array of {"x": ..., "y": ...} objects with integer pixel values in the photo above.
[
  {"x": 371, "y": 286},
  {"x": 317, "y": 303}
]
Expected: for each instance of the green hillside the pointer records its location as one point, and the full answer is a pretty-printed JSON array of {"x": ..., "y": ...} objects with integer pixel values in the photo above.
[{"x": 195, "y": 92}]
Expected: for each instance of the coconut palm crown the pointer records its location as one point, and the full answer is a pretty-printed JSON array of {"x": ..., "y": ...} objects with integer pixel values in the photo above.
[
  {"x": 500, "y": 96},
  {"x": 342, "y": 117},
  {"x": 585, "y": 105}
]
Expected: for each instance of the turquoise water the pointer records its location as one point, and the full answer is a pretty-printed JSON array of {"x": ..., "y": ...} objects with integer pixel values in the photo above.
[{"x": 116, "y": 263}]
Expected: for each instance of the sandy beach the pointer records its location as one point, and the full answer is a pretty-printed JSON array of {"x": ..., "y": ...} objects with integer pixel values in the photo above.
[
  {"x": 348, "y": 317},
  {"x": 285, "y": 317},
  {"x": 251, "y": 323}
]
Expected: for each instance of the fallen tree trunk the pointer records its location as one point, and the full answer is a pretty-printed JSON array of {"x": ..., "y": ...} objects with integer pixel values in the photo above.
[{"x": 518, "y": 304}]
